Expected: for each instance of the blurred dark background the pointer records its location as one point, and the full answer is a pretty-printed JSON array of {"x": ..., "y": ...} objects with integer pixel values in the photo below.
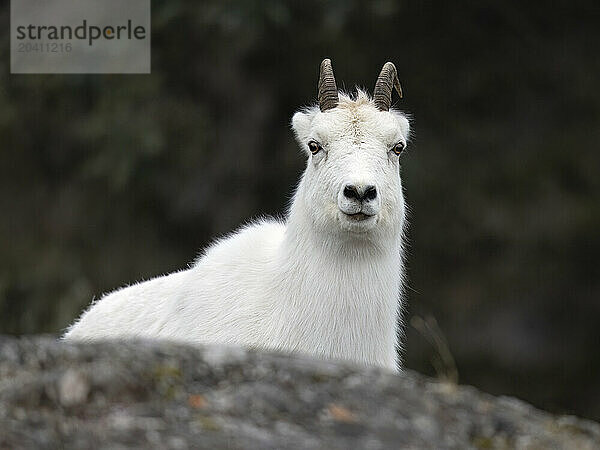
[{"x": 107, "y": 179}]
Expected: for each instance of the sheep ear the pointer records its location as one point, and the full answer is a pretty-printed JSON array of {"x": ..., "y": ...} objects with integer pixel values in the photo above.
[
  {"x": 301, "y": 123},
  {"x": 404, "y": 124}
]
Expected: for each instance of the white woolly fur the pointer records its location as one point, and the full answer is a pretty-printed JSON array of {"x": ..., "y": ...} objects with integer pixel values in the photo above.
[{"x": 320, "y": 282}]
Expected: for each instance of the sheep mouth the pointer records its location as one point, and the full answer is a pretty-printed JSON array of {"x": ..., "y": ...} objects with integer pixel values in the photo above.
[{"x": 359, "y": 217}]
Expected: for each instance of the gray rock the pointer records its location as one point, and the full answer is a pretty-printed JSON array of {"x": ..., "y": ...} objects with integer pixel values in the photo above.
[{"x": 161, "y": 395}]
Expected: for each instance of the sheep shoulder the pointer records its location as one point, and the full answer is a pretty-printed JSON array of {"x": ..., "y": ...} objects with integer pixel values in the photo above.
[{"x": 222, "y": 297}]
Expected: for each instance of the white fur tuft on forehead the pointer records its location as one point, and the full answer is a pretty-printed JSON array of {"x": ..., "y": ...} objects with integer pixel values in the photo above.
[
  {"x": 360, "y": 98},
  {"x": 358, "y": 107}
]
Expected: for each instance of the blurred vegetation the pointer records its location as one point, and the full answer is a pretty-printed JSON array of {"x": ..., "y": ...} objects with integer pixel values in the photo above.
[{"x": 114, "y": 178}]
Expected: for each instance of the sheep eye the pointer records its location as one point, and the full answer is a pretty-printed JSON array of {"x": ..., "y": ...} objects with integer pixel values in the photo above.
[
  {"x": 399, "y": 148},
  {"x": 314, "y": 147}
]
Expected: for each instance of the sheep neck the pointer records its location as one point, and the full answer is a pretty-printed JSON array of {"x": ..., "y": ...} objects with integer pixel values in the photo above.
[{"x": 342, "y": 295}]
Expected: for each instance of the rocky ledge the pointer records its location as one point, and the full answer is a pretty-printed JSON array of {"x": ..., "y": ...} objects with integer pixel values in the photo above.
[{"x": 163, "y": 395}]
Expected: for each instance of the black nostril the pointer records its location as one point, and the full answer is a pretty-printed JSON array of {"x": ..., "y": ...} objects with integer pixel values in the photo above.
[
  {"x": 351, "y": 192},
  {"x": 370, "y": 193}
]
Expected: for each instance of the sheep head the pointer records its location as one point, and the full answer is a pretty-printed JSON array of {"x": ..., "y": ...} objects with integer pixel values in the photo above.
[{"x": 353, "y": 142}]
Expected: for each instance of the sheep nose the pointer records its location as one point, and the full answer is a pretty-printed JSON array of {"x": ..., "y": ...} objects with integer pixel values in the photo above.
[
  {"x": 370, "y": 193},
  {"x": 365, "y": 193}
]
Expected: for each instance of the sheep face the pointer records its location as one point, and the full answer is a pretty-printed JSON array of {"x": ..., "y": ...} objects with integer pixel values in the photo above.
[{"x": 352, "y": 180}]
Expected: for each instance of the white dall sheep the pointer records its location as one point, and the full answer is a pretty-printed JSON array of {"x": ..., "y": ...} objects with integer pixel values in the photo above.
[{"x": 327, "y": 281}]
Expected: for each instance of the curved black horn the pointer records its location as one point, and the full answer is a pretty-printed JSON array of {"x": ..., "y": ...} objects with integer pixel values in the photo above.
[
  {"x": 387, "y": 80},
  {"x": 328, "y": 93}
]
